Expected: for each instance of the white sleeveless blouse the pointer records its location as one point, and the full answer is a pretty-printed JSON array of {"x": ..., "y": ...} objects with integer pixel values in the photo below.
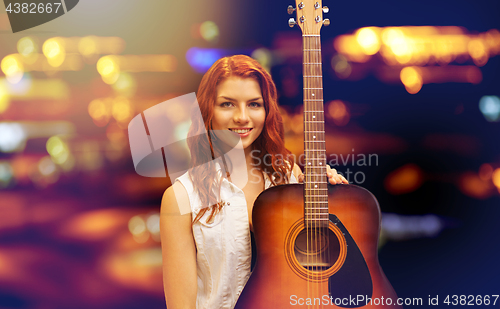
[{"x": 224, "y": 249}]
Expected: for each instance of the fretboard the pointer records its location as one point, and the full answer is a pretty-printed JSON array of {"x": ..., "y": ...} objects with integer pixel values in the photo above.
[{"x": 315, "y": 182}]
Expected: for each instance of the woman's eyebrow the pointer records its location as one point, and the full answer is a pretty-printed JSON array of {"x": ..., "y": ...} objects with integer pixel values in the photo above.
[{"x": 231, "y": 99}]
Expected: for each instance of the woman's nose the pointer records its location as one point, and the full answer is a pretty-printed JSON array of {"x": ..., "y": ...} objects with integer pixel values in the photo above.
[{"x": 241, "y": 115}]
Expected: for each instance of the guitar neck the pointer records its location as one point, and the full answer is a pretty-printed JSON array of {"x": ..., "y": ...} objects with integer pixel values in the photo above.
[{"x": 315, "y": 183}]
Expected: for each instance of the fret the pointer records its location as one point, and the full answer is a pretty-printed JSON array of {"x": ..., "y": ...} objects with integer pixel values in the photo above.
[
  {"x": 312, "y": 88},
  {"x": 311, "y": 35},
  {"x": 323, "y": 196},
  {"x": 318, "y": 111},
  {"x": 314, "y": 131},
  {"x": 314, "y": 121},
  {"x": 313, "y": 76},
  {"x": 314, "y": 100},
  {"x": 312, "y": 49}
]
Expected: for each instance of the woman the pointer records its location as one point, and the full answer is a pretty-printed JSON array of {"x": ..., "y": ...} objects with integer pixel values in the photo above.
[{"x": 207, "y": 252}]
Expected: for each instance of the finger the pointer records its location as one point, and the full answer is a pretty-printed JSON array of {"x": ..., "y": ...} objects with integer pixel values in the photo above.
[
  {"x": 301, "y": 178},
  {"x": 344, "y": 180}
]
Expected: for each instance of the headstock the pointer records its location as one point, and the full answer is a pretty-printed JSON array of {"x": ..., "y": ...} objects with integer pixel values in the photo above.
[{"x": 309, "y": 16}]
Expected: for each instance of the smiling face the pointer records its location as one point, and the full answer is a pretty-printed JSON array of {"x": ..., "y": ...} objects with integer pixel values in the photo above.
[{"x": 239, "y": 107}]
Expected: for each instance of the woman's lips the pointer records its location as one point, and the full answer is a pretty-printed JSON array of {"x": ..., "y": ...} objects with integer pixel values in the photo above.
[{"x": 240, "y": 130}]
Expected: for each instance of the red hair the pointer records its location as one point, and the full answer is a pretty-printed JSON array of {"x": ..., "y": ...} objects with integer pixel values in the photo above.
[{"x": 270, "y": 142}]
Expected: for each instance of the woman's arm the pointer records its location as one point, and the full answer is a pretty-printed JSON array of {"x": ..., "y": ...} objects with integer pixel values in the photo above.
[{"x": 178, "y": 250}]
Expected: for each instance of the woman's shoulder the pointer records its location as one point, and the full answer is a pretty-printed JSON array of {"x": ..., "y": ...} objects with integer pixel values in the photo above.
[{"x": 175, "y": 200}]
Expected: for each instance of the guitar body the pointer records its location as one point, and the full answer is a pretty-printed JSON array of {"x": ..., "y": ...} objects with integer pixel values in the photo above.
[{"x": 353, "y": 273}]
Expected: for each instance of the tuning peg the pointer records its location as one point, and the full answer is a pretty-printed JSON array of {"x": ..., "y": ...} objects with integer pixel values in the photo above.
[
  {"x": 326, "y": 22},
  {"x": 290, "y": 9},
  {"x": 291, "y": 22},
  {"x": 326, "y": 9}
]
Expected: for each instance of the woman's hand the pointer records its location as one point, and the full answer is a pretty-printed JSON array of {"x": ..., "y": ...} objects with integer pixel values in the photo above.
[{"x": 333, "y": 177}]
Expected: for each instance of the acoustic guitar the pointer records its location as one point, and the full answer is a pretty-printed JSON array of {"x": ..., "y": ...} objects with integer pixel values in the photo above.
[{"x": 316, "y": 244}]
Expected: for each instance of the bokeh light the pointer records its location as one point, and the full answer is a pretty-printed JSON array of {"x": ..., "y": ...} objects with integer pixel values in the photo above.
[
  {"x": 264, "y": 57},
  {"x": 496, "y": 178},
  {"x": 339, "y": 112},
  {"x": 200, "y": 59},
  {"x": 100, "y": 111},
  {"x": 58, "y": 149},
  {"x": 209, "y": 31},
  {"x": 27, "y": 46},
  {"x": 368, "y": 39},
  {"x": 405, "y": 179},
  {"x": 12, "y": 137},
  {"x": 109, "y": 69},
  {"x": 4, "y": 97},
  {"x": 412, "y": 79},
  {"x": 341, "y": 66},
  {"x": 53, "y": 49},
  {"x": 12, "y": 67},
  {"x": 489, "y": 105}
]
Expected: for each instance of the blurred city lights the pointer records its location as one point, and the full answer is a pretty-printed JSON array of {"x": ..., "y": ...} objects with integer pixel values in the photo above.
[
  {"x": 419, "y": 47},
  {"x": 4, "y": 97},
  {"x": 6, "y": 174},
  {"x": 397, "y": 227},
  {"x": 109, "y": 69},
  {"x": 341, "y": 66},
  {"x": 12, "y": 136},
  {"x": 264, "y": 57},
  {"x": 94, "y": 225},
  {"x": 122, "y": 109},
  {"x": 153, "y": 223},
  {"x": 339, "y": 112},
  {"x": 125, "y": 84},
  {"x": 46, "y": 166},
  {"x": 12, "y": 67},
  {"x": 136, "y": 225},
  {"x": 405, "y": 179},
  {"x": 490, "y": 107},
  {"x": 201, "y": 59},
  {"x": 209, "y": 31},
  {"x": 473, "y": 185},
  {"x": 100, "y": 110},
  {"x": 485, "y": 172},
  {"x": 88, "y": 46},
  {"x": 110, "y": 66},
  {"x": 53, "y": 49},
  {"x": 369, "y": 40},
  {"x": 27, "y": 46},
  {"x": 58, "y": 149},
  {"x": 496, "y": 178},
  {"x": 411, "y": 78}
]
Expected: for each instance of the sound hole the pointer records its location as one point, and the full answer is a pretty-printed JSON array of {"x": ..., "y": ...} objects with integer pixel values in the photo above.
[{"x": 316, "y": 249}]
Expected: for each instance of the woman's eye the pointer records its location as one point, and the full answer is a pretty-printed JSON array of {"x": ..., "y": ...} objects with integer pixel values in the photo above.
[
  {"x": 255, "y": 104},
  {"x": 226, "y": 104}
]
